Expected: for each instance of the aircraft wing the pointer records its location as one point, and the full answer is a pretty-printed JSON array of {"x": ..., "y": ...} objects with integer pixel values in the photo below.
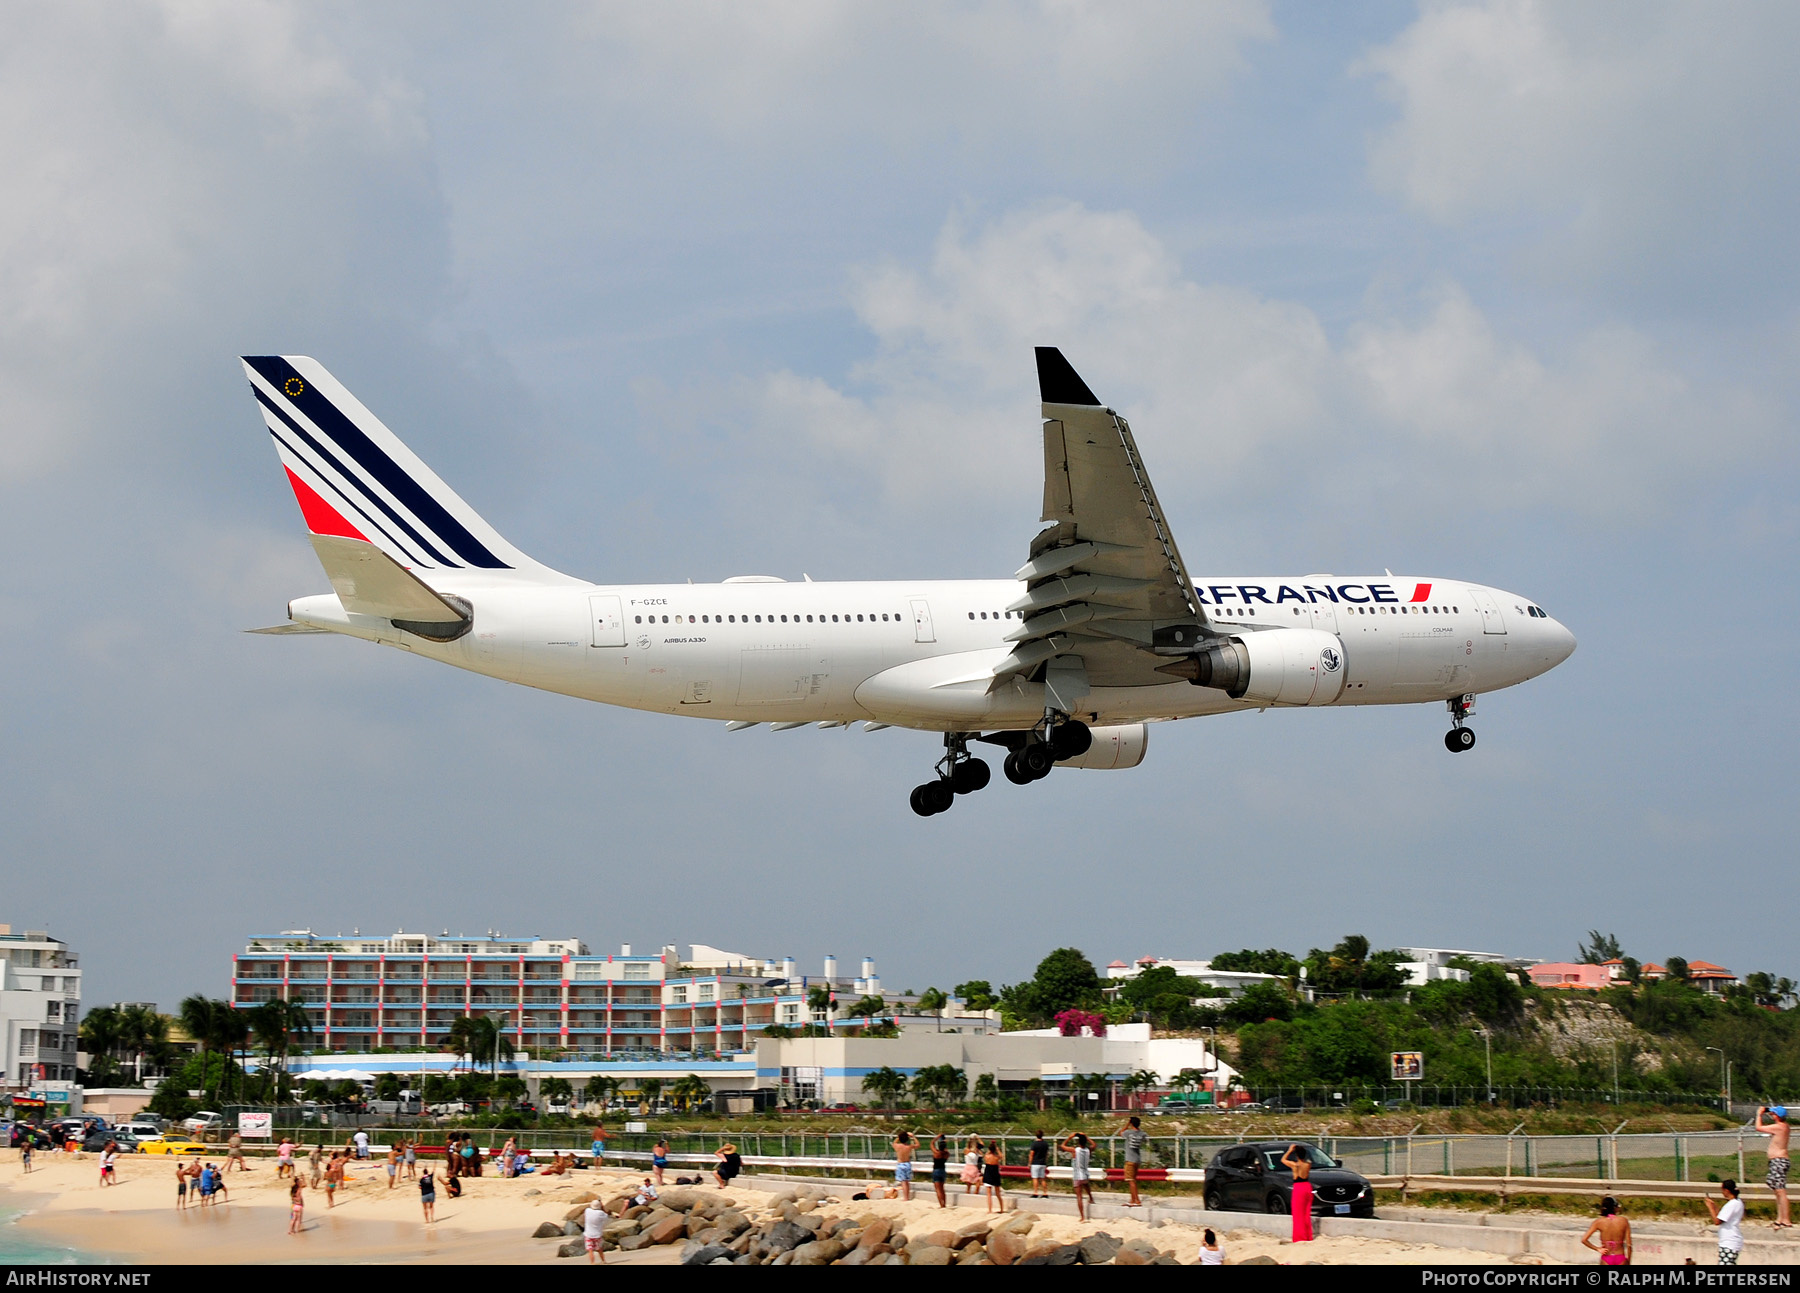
[{"x": 1106, "y": 597}]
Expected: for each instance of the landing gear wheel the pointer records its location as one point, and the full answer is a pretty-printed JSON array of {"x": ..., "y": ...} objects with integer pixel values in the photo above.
[
  {"x": 932, "y": 797},
  {"x": 1036, "y": 759},
  {"x": 1014, "y": 773},
  {"x": 1071, "y": 740},
  {"x": 1458, "y": 739},
  {"x": 969, "y": 776},
  {"x": 918, "y": 803}
]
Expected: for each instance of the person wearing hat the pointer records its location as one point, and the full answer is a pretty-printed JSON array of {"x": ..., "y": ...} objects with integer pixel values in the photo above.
[{"x": 1777, "y": 1132}]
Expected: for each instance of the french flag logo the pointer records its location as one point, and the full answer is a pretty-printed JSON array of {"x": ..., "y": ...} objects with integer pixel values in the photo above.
[{"x": 1421, "y": 592}]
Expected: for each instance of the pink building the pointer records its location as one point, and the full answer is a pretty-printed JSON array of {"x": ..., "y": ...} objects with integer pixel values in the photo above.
[{"x": 1567, "y": 974}]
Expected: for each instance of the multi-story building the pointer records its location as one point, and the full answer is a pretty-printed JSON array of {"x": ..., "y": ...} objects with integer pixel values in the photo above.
[
  {"x": 40, "y": 1008},
  {"x": 405, "y": 991}
]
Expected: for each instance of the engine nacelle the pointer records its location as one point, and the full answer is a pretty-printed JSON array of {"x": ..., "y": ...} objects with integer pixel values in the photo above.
[
  {"x": 1278, "y": 667},
  {"x": 1113, "y": 747}
]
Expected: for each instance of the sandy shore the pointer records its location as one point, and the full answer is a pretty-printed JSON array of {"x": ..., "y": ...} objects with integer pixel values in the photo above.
[{"x": 136, "y": 1221}]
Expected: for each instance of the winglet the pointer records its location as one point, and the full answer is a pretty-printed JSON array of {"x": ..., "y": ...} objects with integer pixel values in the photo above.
[{"x": 1058, "y": 383}]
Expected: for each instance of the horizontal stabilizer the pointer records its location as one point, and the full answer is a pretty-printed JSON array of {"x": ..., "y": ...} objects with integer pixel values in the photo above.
[
  {"x": 369, "y": 582},
  {"x": 283, "y": 629}
]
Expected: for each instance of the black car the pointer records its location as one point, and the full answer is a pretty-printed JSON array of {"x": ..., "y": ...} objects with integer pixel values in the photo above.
[
  {"x": 1251, "y": 1178},
  {"x": 98, "y": 1139}
]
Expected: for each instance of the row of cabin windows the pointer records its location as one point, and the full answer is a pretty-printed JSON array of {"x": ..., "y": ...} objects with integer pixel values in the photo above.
[
  {"x": 1392, "y": 610},
  {"x": 745, "y": 619},
  {"x": 997, "y": 615}
]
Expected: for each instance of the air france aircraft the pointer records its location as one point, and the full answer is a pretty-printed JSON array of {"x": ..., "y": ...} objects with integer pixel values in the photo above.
[{"x": 1101, "y": 632}]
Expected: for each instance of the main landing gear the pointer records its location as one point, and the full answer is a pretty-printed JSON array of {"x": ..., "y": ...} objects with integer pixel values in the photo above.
[
  {"x": 959, "y": 773},
  {"x": 1031, "y": 756},
  {"x": 1459, "y": 738}
]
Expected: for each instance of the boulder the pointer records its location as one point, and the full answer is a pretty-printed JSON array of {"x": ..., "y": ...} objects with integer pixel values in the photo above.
[
  {"x": 940, "y": 1239},
  {"x": 1098, "y": 1249},
  {"x": 1130, "y": 1257},
  {"x": 631, "y": 1243},
  {"x": 1143, "y": 1246},
  {"x": 855, "y": 1257},
  {"x": 1005, "y": 1247},
  {"x": 1170, "y": 1259},
  {"x": 897, "y": 1242},
  {"x": 617, "y": 1230},
  {"x": 571, "y": 1228},
  {"x": 635, "y": 1210},
  {"x": 618, "y": 1203},
  {"x": 1038, "y": 1252},
  {"x": 668, "y": 1230},
  {"x": 783, "y": 1259},
  {"x": 574, "y": 1248},
  {"x": 875, "y": 1231},
  {"x": 1261, "y": 1259},
  {"x": 974, "y": 1230},
  {"x": 679, "y": 1200},
  {"x": 929, "y": 1254},
  {"x": 707, "y": 1254},
  {"x": 973, "y": 1255},
  {"x": 586, "y": 1196},
  {"x": 575, "y": 1213},
  {"x": 786, "y": 1236},
  {"x": 706, "y": 1234},
  {"x": 820, "y": 1252},
  {"x": 548, "y": 1230},
  {"x": 1019, "y": 1223},
  {"x": 732, "y": 1223}
]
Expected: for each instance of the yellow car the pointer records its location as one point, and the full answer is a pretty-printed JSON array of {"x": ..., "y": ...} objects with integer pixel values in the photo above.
[{"x": 173, "y": 1145}]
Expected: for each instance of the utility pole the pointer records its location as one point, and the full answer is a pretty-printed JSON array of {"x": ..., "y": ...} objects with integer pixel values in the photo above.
[{"x": 1724, "y": 1077}]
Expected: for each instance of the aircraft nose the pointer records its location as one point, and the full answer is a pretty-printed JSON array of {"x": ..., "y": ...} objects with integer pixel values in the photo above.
[{"x": 1562, "y": 643}]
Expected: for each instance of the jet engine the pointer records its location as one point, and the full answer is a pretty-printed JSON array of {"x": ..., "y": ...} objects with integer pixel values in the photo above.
[
  {"x": 1277, "y": 667},
  {"x": 1113, "y": 747}
]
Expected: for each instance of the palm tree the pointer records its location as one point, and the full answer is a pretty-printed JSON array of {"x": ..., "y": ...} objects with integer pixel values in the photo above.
[
  {"x": 101, "y": 1030},
  {"x": 481, "y": 1038},
  {"x": 600, "y": 1089},
  {"x": 1141, "y": 1081},
  {"x": 691, "y": 1090},
  {"x": 276, "y": 1023},
  {"x": 885, "y": 1084},
  {"x": 987, "y": 1091},
  {"x": 648, "y": 1090},
  {"x": 932, "y": 1001},
  {"x": 937, "y": 1084},
  {"x": 142, "y": 1031},
  {"x": 233, "y": 1035},
  {"x": 819, "y": 1002},
  {"x": 867, "y": 1008},
  {"x": 199, "y": 1020}
]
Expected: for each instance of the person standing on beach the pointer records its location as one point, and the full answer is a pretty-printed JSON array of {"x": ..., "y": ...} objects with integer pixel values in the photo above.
[
  {"x": 25, "y": 1152},
  {"x": 296, "y": 1206},
  {"x": 940, "y": 1166},
  {"x": 393, "y": 1163},
  {"x": 334, "y": 1177},
  {"x": 599, "y": 1148},
  {"x": 730, "y": 1164},
  {"x": 428, "y": 1196},
  {"x": 903, "y": 1163},
  {"x": 1080, "y": 1154},
  {"x": 990, "y": 1176},
  {"x": 971, "y": 1171},
  {"x": 1040, "y": 1166},
  {"x": 316, "y": 1162},
  {"x": 659, "y": 1155},
  {"x": 236, "y": 1156},
  {"x": 593, "y": 1231},
  {"x": 284, "y": 1158},
  {"x": 1299, "y": 1162},
  {"x": 1777, "y": 1132},
  {"x": 1730, "y": 1221},
  {"x": 361, "y": 1141},
  {"x": 193, "y": 1176},
  {"x": 410, "y": 1155},
  {"x": 180, "y": 1186},
  {"x": 108, "y": 1158},
  {"x": 1135, "y": 1138},
  {"x": 1615, "y": 1235}
]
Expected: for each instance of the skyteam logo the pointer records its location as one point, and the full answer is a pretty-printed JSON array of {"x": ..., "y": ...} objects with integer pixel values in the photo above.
[{"x": 1330, "y": 659}]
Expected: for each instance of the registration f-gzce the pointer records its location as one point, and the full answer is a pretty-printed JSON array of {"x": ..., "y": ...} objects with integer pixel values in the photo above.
[{"x": 1101, "y": 632}]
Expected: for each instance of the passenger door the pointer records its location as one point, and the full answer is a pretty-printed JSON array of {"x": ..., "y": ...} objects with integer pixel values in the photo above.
[
  {"x": 608, "y": 621},
  {"x": 1491, "y": 620},
  {"x": 921, "y": 614}
]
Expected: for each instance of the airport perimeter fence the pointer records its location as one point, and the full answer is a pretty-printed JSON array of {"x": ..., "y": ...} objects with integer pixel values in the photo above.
[
  {"x": 1636, "y": 1156},
  {"x": 1431, "y": 1095}
]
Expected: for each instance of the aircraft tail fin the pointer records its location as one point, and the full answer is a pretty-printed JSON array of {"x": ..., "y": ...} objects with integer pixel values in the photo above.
[{"x": 355, "y": 480}]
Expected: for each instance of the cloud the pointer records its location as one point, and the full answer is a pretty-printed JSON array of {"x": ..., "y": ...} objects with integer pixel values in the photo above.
[
  {"x": 171, "y": 169},
  {"x": 1653, "y": 146},
  {"x": 1225, "y": 385}
]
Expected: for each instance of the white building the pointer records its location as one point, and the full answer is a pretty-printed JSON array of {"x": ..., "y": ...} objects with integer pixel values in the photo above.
[
  {"x": 1428, "y": 964},
  {"x": 40, "y": 1008},
  {"x": 1232, "y": 982}
]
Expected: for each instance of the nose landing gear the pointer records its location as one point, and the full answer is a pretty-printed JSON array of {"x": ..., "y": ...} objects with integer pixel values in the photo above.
[
  {"x": 959, "y": 773},
  {"x": 1459, "y": 738}
]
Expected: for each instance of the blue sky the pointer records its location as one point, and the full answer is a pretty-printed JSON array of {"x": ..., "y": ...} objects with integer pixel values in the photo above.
[{"x": 1503, "y": 292}]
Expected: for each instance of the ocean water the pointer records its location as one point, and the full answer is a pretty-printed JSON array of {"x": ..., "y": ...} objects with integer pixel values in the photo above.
[{"x": 19, "y": 1249}]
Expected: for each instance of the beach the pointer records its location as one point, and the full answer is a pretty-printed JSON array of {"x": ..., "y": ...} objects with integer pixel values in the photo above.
[{"x": 135, "y": 1222}]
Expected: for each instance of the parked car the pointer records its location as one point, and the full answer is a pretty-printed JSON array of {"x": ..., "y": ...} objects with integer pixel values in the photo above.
[
  {"x": 142, "y": 1130},
  {"x": 173, "y": 1143},
  {"x": 203, "y": 1122},
  {"x": 1251, "y": 1178},
  {"x": 98, "y": 1139}
]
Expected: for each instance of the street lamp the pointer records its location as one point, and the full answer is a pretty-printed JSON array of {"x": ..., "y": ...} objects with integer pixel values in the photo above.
[
  {"x": 1724, "y": 1076},
  {"x": 1487, "y": 1046}
]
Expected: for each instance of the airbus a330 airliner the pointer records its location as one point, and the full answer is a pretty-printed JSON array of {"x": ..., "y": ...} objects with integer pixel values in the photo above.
[{"x": 1101, "y": 632}]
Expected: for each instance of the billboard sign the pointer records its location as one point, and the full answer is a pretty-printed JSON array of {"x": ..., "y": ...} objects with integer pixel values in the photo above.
[{"x": 1407, "y": 1066}]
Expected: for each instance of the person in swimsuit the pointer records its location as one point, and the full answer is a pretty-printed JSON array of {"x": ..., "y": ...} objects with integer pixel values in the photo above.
[
  {"x": 393, "y": 1164},
  {"x": 296, "y": 1207},
  {"x": 990, "y": 1176},
  {"x": 1777, "y": 1132},
  {"x": 1299, "y": 1162},
  {"x": 1080, "y": 1154},
  {"x": 903, "y": 1163},
  {"x": 428, "y": 1196},
  {"x": 1614, "y": 1232},
  {"x": 180, "y": 1186},
  {"x": 1730, "y": 1221},
  {"x": 940, "y": 1167},
  {"x": 316, "y": 1165},
  {"x": 659, "y": 1156},
  {"x": 334, "y": 1177}
]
